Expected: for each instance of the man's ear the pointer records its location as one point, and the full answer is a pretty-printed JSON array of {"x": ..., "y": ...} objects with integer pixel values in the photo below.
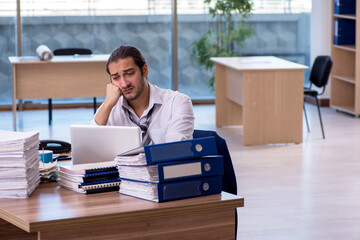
[{"x": 145, "y": 70}]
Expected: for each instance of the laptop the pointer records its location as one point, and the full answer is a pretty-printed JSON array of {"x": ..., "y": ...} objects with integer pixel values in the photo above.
[{"x": 91, "y": 144}]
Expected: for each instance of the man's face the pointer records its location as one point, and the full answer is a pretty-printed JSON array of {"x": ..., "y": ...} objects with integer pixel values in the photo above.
[{"x": 126, "y": 75}]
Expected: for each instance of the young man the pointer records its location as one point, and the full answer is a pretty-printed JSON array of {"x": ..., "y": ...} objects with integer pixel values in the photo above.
[{"x": 163, "y": 115}]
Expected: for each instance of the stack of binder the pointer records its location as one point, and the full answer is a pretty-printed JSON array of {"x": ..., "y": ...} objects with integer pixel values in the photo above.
[
  {"x": 19, "y": 163},
  {"x": 170, "y": 171},
  {"x": 90, "y": 178}
]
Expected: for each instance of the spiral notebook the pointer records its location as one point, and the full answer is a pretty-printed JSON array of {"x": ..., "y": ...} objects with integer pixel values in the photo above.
[
  {"x": 89, "y": 168},
  {"x": 98, "y": 175},
  {"x": 90, "y": 188}
]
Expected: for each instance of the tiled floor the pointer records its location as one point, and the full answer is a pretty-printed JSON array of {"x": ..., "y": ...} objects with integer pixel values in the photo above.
[{"x": 308, "y": 191}]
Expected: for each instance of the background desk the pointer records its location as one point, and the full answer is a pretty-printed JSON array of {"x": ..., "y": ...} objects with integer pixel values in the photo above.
[
  {"x": 62, "y": 77},
  {"x": 264, "y": 94},
  {"x": 56, "y": 213}
]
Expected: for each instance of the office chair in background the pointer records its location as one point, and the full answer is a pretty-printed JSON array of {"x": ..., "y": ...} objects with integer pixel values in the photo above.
[
  {"x": 319, "y": 77},
  {"x": 72, "y": 51},
  {"x": 69, "y": 51}
]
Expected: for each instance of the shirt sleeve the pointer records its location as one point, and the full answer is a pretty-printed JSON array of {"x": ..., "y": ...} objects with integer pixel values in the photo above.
[
  {"x": 181, "y": 124},
  {"x": 117, "y": 117},
  {"x": 93, "y": 122}
]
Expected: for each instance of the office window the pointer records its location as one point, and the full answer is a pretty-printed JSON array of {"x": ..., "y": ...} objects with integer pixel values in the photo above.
[
  {"x": 281, "y": 29},
  {"x": 193, "y": 20},
  {"x": 102, "y": 26},
  {"x": 7, "y": 46},
  {"x": 282, "y": 6},
  {"x": 281, "y": 26}
]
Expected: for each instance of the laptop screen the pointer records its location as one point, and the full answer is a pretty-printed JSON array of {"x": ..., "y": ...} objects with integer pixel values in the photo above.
[{"x": 91, "y": 144}]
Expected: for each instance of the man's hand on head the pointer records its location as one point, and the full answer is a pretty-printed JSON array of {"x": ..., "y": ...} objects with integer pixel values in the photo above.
[{"x": 113, "y": 93}]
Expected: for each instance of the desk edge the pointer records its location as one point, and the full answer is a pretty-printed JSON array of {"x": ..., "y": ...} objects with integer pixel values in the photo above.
[{"x": 63, "y": 223}]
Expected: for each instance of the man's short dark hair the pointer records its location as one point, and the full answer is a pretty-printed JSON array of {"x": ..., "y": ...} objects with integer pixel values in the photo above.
[{"x": 126, "y": 51}]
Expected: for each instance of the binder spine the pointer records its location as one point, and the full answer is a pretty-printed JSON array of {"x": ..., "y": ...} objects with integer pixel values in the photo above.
[
  {"x": 180, "y": 150},
  {"x": 191, "y": 188},
  {"x": 202, "y": 167},
  {"x": 344, "y": 6},
  {"x": 344, "y": 31}
]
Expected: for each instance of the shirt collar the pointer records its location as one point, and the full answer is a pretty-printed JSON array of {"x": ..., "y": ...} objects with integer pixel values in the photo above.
[
  {"x": 125, "y": 104},
  {"x": 154, "y": 95}
]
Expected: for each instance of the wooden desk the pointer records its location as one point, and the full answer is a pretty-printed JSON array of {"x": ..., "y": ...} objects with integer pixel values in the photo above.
[
  {"x": 62, "y": 77},
  {"x": 52, "y": 212},
  {"x": 264, "y": 94}
]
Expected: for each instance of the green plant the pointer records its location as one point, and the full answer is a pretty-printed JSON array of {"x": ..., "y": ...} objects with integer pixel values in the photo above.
[{"x": 219, "y": 42}]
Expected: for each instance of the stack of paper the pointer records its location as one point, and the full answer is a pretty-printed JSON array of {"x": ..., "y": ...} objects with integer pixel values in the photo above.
[
  {"x": 48, "y": 171},
  {"x": 19, "y": 163}
]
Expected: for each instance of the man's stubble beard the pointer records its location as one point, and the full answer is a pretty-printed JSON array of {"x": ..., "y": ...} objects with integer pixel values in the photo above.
[{"x": 139, "y": 92}]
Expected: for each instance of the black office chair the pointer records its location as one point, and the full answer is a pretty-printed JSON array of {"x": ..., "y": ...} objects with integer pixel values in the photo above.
[
  {"x": 72, "y": 51},
  {"x": 69, "y": 51},
  {"x": 319, "y": 77},
  {"x": 229, "y": 179}
]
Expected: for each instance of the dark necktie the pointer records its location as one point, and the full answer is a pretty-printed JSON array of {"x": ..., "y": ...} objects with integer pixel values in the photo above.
[{"x": 146, "y": 140}]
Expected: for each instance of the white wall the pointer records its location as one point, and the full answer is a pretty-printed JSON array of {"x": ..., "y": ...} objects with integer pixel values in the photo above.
[{"x": 320, "y": 36}]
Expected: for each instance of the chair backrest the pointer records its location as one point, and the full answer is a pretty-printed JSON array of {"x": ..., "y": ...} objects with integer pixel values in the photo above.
[
  {"x": 72, "y": 51},
  {"x": 320, "y": 71},
  {"x": 229, "y": 179}
]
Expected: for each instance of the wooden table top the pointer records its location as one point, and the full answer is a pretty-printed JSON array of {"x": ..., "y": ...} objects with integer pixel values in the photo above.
[
  {"x": 258, "y": 63},
  {"x": 59, "y": 59},
  {"x": 51, "y": 206}
]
